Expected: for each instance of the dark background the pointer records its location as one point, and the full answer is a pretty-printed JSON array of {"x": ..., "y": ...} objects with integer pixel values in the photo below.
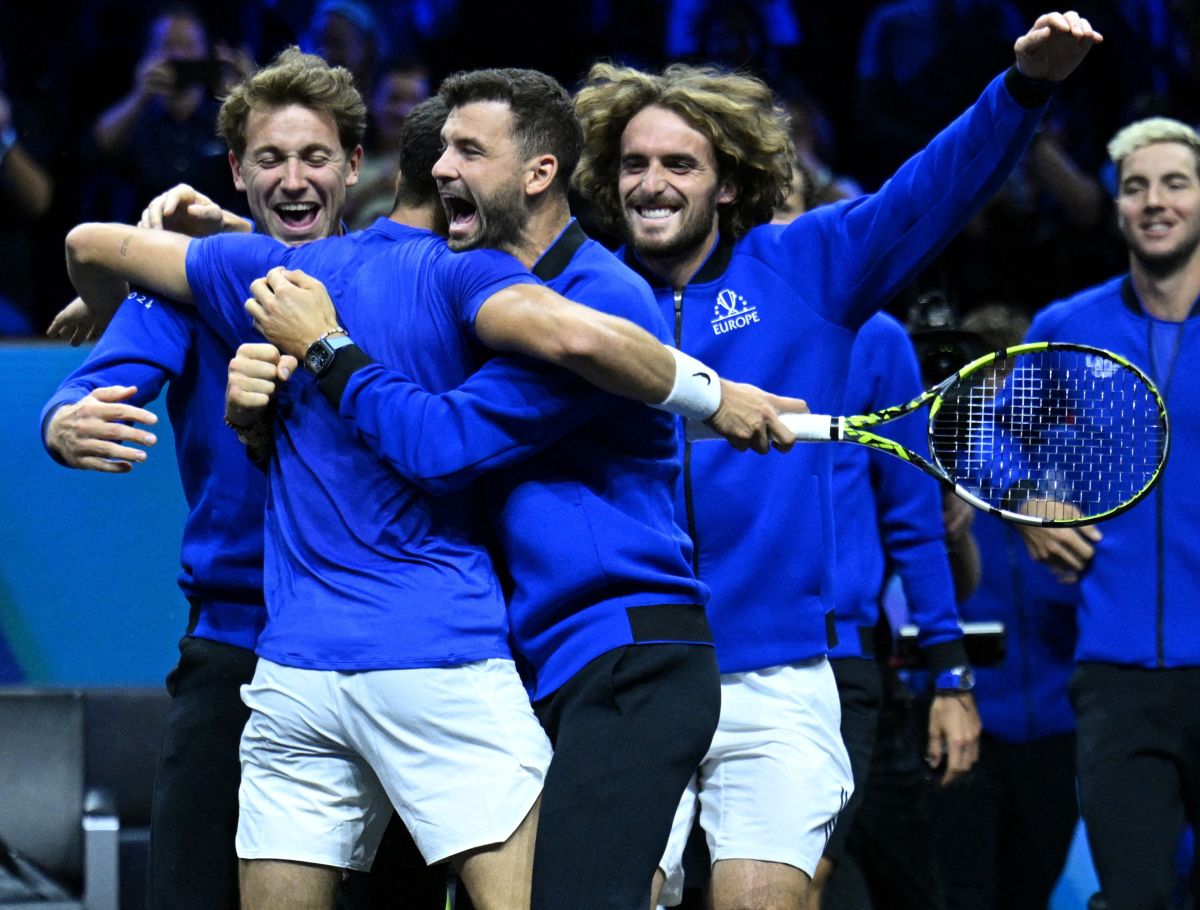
[{"x": 65, "y": 62}]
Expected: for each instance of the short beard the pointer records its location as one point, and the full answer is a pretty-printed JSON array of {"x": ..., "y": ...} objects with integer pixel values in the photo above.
[
  {"x": 680, "y": 246},
  {"x": 502, "y": 228}
]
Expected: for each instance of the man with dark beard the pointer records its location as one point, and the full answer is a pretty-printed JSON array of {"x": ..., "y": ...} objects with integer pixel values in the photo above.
[
  {"x": 1137, "y": 680},
  {"x": 604, "y": 608},
  {"x": 623, "y": 674}
]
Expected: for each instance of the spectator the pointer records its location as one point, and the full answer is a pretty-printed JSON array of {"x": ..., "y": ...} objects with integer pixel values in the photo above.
[
  {"x": 918, "y": 65},
  {"x": 26, "y": 190},
  {"x": 398, "y": 90},
  {"x": 346, "y": 33},
  {"x": 161, "y": 133}
]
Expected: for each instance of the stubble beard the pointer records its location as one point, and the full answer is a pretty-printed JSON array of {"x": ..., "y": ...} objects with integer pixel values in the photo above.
[
  {"x": 1164, "y": 265},
  {"x": 501, "y": 222}
]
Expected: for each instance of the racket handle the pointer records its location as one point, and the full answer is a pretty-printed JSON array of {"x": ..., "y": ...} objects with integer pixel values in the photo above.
[
  {"x": 807, "y": 427},
  {"x": 810, "y": 427}
]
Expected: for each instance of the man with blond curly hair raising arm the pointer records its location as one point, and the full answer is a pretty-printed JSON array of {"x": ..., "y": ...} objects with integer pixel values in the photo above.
[{"x": 689, "y": 165}]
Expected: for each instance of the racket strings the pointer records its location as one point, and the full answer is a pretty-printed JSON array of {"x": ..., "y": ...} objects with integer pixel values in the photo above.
[{"x": 1069, "y": 433}]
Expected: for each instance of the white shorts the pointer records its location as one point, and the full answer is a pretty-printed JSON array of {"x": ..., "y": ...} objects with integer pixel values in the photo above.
[
  {"x": 776, "y": 776},
  {"x": 326, "y": 754}
]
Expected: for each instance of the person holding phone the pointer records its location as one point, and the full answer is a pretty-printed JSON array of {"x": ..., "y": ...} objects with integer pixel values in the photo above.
[{"x": 161, "y": 132}]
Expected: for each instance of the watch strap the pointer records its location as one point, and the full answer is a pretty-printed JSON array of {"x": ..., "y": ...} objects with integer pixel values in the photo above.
[{"x": 954, "y": 680}]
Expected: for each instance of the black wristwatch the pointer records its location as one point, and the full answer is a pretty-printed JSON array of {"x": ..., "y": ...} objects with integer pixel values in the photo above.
[
  {"x": 320, "y": 354},
  {"x": 954, "y": 680}
]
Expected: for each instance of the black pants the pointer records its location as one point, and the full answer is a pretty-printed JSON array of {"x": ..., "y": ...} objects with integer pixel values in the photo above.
[
  {"x": 1002, "y": 835},
  {"x": 888, "y": 862},
  {"x": 1138, "y": 761},
  {"x": 192, "y": 863},
  {"x": 629, "y": 731},
  {"x": 860, "y": 691}
]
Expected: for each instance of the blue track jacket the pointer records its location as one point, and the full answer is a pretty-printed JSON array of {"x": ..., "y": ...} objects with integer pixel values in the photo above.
[
  {"x": 779, "y": 308},
  {"x": 152, "y": 343},
  {"x": 1138, "y": 596},
  {"x": 889, "y": 514}
]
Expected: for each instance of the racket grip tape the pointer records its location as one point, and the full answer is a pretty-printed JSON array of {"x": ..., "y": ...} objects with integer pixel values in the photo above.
[{"x": 807, "y": 427}]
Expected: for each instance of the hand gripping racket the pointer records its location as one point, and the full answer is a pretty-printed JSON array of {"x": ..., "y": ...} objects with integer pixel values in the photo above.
[{"x": 1043, "y": 434}]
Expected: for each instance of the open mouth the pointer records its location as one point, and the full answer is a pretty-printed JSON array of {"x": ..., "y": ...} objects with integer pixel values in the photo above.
[
  {"x": 460, "y": 213},
  {"x": 654, "y": 212},
  {"x": 297, "y": 216}
]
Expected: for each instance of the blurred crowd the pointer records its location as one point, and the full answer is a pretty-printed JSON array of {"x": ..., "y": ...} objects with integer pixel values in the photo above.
[{"x": 104, "y": 103}]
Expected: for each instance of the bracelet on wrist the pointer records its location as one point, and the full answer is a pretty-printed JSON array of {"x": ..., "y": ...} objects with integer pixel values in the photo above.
[
  {"x": 336, "y": 330},
  {"x": 256, "y": 436}
]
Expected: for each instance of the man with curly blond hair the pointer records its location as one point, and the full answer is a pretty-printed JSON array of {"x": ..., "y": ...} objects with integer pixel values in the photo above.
[{"x": 689, "y": 165}]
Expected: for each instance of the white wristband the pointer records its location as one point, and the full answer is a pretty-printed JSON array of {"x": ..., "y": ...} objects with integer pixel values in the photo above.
[{"x": 697, "y": 390}]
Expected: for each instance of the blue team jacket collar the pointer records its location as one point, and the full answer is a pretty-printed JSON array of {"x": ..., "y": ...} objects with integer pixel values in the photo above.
[
  {"x": 1130, "y": 299},
  {"x": 714, "y": 267},
  {"x": 560, "y": 253}
]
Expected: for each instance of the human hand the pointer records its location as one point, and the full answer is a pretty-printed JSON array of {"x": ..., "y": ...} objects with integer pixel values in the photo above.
[
  {"x": 954, "y": 729},
  {"x": 236, "y": 63},
  {"x": 255, "y": 374},
  {"x": 155, "y": 78},
  {"x": 183, "y": 210},
  {"x": 77, "y": 322},
  {"x": 95, "y": 433},
  {"x": 291, "y": 310},
  {"x": 1064, "y": 551},
  {"x": 1055, "y": 45},
  {"x": 957, "y": 517},
  {"x": 748, "y": 418}
]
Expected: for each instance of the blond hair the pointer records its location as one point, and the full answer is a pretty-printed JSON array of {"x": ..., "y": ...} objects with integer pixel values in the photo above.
[
  {"x": 1148, "y": 132},
  {"x": 737, "y": 113},
  {"x": 294, "y": 77}
]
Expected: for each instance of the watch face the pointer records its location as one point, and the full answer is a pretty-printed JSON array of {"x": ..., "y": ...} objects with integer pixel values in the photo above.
[
  {"x": 321, "y": 353},
  {"x": 318, "y": 357}
]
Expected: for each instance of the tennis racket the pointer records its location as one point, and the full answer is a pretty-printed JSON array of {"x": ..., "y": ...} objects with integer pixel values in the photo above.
[{"x": 1042, "y": 434}]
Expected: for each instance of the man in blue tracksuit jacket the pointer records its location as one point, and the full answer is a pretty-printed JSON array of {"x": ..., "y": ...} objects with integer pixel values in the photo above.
[
  {"x": 1137, "y": 683},
  {"x": 153, "y": 343},
  {"x": 690, "y": 165}
]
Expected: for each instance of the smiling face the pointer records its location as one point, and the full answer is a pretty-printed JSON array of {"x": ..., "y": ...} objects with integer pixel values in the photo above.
[
  {"x": 1158, "y": 206},
  {"x": 669, "y": 186},
  {"x": 295, "y": 173},
  {"x": 481, "y": 177}
]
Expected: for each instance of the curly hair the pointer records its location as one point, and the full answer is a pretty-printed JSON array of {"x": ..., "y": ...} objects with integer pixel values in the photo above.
[
  {"x": 738, "y": 114},
  {"x": 543, "y": 116},
  {"x": 1149, "y": 131},
  {"x": 294, "y": 77}
]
